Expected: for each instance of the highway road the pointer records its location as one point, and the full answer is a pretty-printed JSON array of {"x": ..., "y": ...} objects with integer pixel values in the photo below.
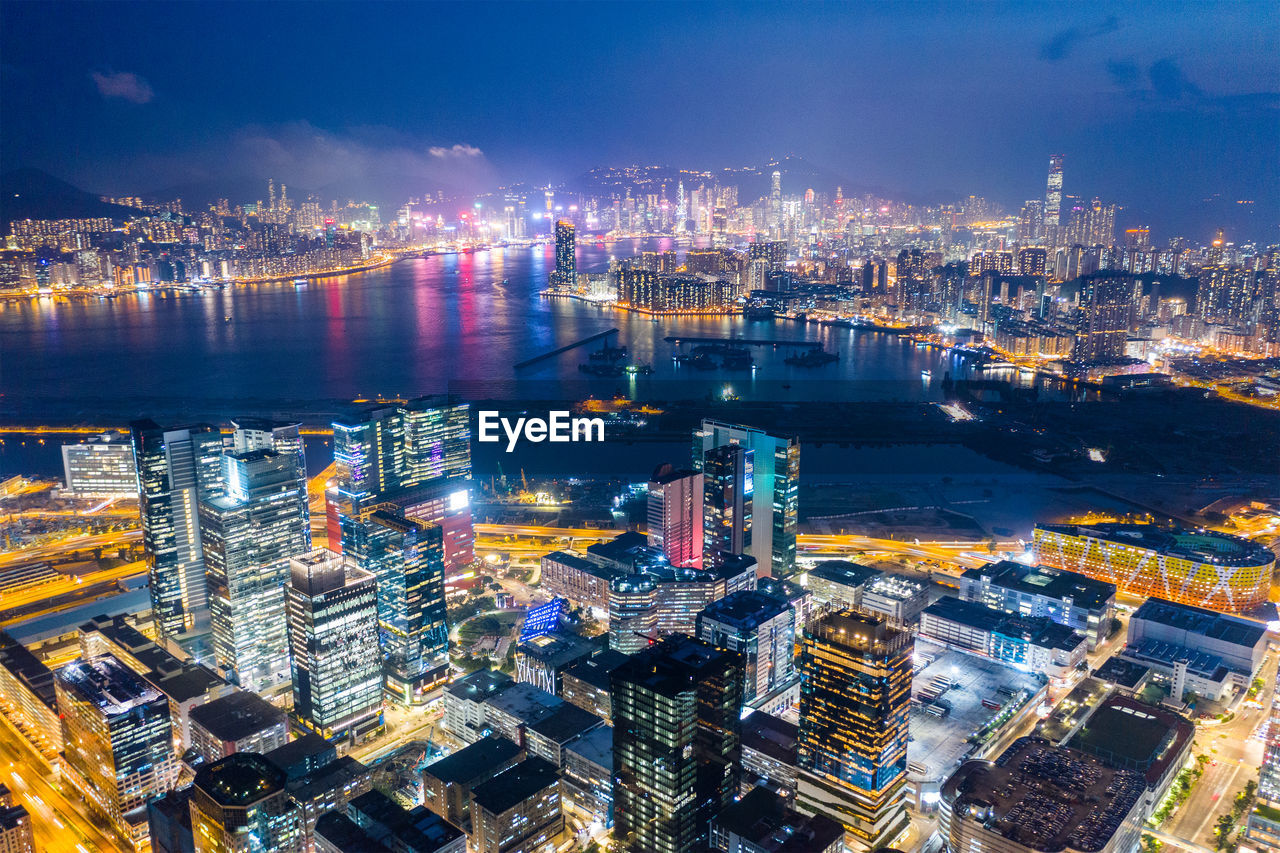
[
  {"x": 62, "y": 547},
  {"x": 62, "y": 824}
]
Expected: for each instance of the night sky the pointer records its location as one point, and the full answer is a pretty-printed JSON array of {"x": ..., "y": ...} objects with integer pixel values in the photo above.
[{"x": 1156, "y": 106}]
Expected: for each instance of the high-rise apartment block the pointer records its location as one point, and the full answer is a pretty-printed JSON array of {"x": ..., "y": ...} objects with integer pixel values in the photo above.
[{"x": 565, "y": 276}]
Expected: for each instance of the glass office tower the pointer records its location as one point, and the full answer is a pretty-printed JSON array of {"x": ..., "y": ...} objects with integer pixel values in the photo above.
[
  {"x": 177, "y": 469},
  {"x": 855, "y": 700},
  {"x": 775, "y": 493},
  {"x": 676, "y": 743},
  {"x": 332, "y": 611},
  {"x": 406, "y": 555},
  {"x": 249, "y": 534}
]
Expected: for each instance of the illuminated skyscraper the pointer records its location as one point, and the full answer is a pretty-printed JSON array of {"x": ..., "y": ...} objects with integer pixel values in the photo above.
[
  {"x": 760, "y": 628},
  {"x": 406, "y": 556},
  {"x": 855, "y": 699},
  {"x": 676, "y": 743},
  {"x": 416, "y": 455},
  {"x": 775, "y": 494},
  {"x": 728, "y": 484},
  {"x": 675, "y": 515},
  {"x": 177, "y": 469},
  {"x": 118, "y": 741},
  {"x": 249, "y": 534},
  {"x": 1053, "y": 197},
  {"x": 565, "y": 276},
  {"x": 332, "y": 610},
  {"x": 239, "y": 805},
  {"x": 1108, "y": 301},
  {"x": 262, "y": 434}
]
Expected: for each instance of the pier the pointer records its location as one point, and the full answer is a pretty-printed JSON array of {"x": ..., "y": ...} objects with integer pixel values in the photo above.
[{"x": 537, "y": 358}]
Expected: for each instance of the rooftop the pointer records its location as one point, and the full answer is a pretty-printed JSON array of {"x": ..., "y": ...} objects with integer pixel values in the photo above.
[
  {"x": 859, "y": 631},
  {"x": 1038, "y": 630},
  {"x": 595, "y": 669},
  {"x": 674, "y": 665},
  {"x": 595, "y": 746},
  {"x": 342, "y": 833},
  {"x": 237, "y": 715},
  {"x": 1206, "y": 623},
  {"x": 939, "y": 744},
  {"x": 745, "y": 610},
  {"x": 558, "y": 649},
  {"x": 762, "y": 818},
  {"x": 771, "y": 735},
  {"x": 1201, "y": 546},
  {"x": 240, "y": 779},
  {"x": 512, "y": 787},
  {"x": 180, "y": 680},
  {"x": 580, "y": 563},
  {"x": 302, "y": 755},
  {"x": 1201, "y": 663},
  {"x": 480, "y": 685},
  {"x": 1132, "y": 735},
  {"x": 109, "y": 684},
  {"x": 474, "y": 761},
  {"x": 328, "y": 777},
  {"x": 525, "y": 702},
  {"x": 1126, "y": 674},
  {"x": 1046, "y": 797},
  {"x": 28, "y": 669},
  {"x": 843, "y": 572},
  {"x": 896, "y": 587},
  {"x": 781, "y": 589},
  {"x": 1045, "y": 581},
  {"x": 417, "y": 829},
  {"x": 565, "y": 723}
]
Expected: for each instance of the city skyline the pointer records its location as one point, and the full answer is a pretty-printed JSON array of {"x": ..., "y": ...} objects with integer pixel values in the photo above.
[
  {"x": 1110, "y": 89},
  {"x": 643, "y": 427}
]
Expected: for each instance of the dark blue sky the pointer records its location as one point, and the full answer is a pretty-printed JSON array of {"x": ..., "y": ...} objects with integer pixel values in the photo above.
[{"x": 1156, "y": 106}]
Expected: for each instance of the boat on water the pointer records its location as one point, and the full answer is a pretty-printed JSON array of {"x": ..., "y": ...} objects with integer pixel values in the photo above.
[
  {"x": 226, "y": 319},
  {"x": 925, "y": 374},
  {"x": 299, "y": 282}
]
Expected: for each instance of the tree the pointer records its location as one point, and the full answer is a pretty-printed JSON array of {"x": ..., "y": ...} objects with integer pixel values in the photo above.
[{"x": 1222, "y": 829}]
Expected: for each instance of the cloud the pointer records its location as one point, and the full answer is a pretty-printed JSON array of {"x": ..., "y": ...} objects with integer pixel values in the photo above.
[
  {"x": 455, "y": 151},
  {"x": 1063, "y": 43},
  {"x": 1124, "y": 73},
  {"x": 124, "y": 85},
  {"x": 1169, "y": 81},
  {"x": 305, "y": 156}
]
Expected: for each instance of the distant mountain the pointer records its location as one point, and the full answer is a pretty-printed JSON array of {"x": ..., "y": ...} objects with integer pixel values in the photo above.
[{"x": 33, "y": 194}]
